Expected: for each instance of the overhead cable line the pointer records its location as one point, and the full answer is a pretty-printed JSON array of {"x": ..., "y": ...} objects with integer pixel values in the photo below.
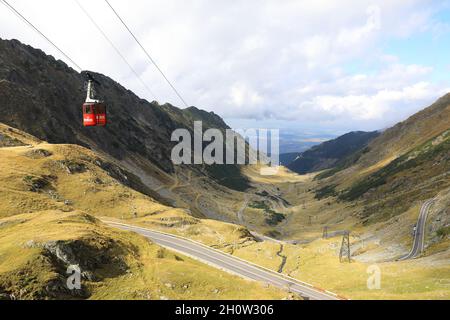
[
  {"x": 147, "y": 54},
  {"x": 17, "y": 13},
  {"x": 116, "y": 49}
]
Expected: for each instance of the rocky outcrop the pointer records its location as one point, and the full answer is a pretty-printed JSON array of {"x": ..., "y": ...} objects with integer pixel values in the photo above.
[{"x": 96, "y": 257}]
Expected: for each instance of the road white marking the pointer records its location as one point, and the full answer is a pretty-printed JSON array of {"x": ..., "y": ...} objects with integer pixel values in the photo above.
[
  {"x": 232, "y": 263},
  {"x": 419, "y": 233}
]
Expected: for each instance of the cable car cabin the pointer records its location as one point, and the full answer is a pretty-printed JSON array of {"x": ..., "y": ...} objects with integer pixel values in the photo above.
[{"x": 94, "y": 114}]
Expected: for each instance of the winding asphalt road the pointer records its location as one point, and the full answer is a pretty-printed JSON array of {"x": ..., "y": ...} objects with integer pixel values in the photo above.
[
  {"x": 419, "y": 235},
  {"x": 229, "y": 263}
]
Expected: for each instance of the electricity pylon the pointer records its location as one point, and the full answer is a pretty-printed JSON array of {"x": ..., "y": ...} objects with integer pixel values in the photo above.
[{"x": 345, "y": 248}]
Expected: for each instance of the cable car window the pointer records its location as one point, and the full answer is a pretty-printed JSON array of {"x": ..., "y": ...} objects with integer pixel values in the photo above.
[{"x": 88, "y": 110}]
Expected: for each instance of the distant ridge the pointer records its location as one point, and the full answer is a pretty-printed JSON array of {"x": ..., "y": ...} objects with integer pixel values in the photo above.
[{"x": 328, "y": 154}]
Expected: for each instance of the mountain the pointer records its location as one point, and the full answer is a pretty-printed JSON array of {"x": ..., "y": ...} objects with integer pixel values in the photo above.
[
  {"x": 407, "y": 163},
  {"x": 59, "y": 181},
  {"x": 288, "y": 158},
  {"x": 43, "y": 97},
  {"x": 409, "y": 134},
  {"x": 331, "y": 153},
  {"x": 52, "y": 199}
]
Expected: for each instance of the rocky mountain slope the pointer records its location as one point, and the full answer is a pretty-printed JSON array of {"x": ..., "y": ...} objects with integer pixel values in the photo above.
[
  {"x": 331, "y": 153},
  {"x": 43, "y": 97}
]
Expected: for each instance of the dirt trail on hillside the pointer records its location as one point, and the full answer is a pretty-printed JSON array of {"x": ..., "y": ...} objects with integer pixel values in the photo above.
[{"x": 283, "y": 259}]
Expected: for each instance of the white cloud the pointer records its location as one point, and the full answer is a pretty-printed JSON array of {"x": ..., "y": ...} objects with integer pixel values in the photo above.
[
  {"x": 371, "y": 107},
  {"x": 355, "y": 36},
  {"x": 242, "y": 96},
  {"x": 255, "y": 59},
  {"x": 365, "y": 101}
]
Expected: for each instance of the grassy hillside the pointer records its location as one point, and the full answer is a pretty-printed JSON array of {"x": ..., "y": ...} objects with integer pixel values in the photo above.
[
  {"x": 428, "y": 161},
  {"x": 316, "y": 260},
  {"x": 37, "y": 248},
  {"x": 406, "y": 164},
  {"x": 51, "y": 194},
  {"x": 49, "y": 197}
]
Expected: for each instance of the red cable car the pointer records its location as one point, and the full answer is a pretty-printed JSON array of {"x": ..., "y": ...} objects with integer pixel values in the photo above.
[
  {"x": 94, "y": 114},
  {"x": 94, "y": 111}
]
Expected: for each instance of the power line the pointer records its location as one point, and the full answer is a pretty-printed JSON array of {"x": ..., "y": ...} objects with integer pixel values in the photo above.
[
  {"x": 116, "y": 49},
  {"x": 147, "y": 54},
  {"x": 17, "y": 13}
]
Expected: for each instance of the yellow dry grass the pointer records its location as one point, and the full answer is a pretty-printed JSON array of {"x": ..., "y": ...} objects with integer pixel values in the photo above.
[
  {"x": 153, "y": 273},
  {"x": 318, "y": 264},
  {"x": 95, "y": 192},
  {"x": 58, "y": 210}
]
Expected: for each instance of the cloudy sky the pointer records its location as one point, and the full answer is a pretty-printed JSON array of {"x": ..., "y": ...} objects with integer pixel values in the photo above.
[{"x": 312, "y": 66}]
